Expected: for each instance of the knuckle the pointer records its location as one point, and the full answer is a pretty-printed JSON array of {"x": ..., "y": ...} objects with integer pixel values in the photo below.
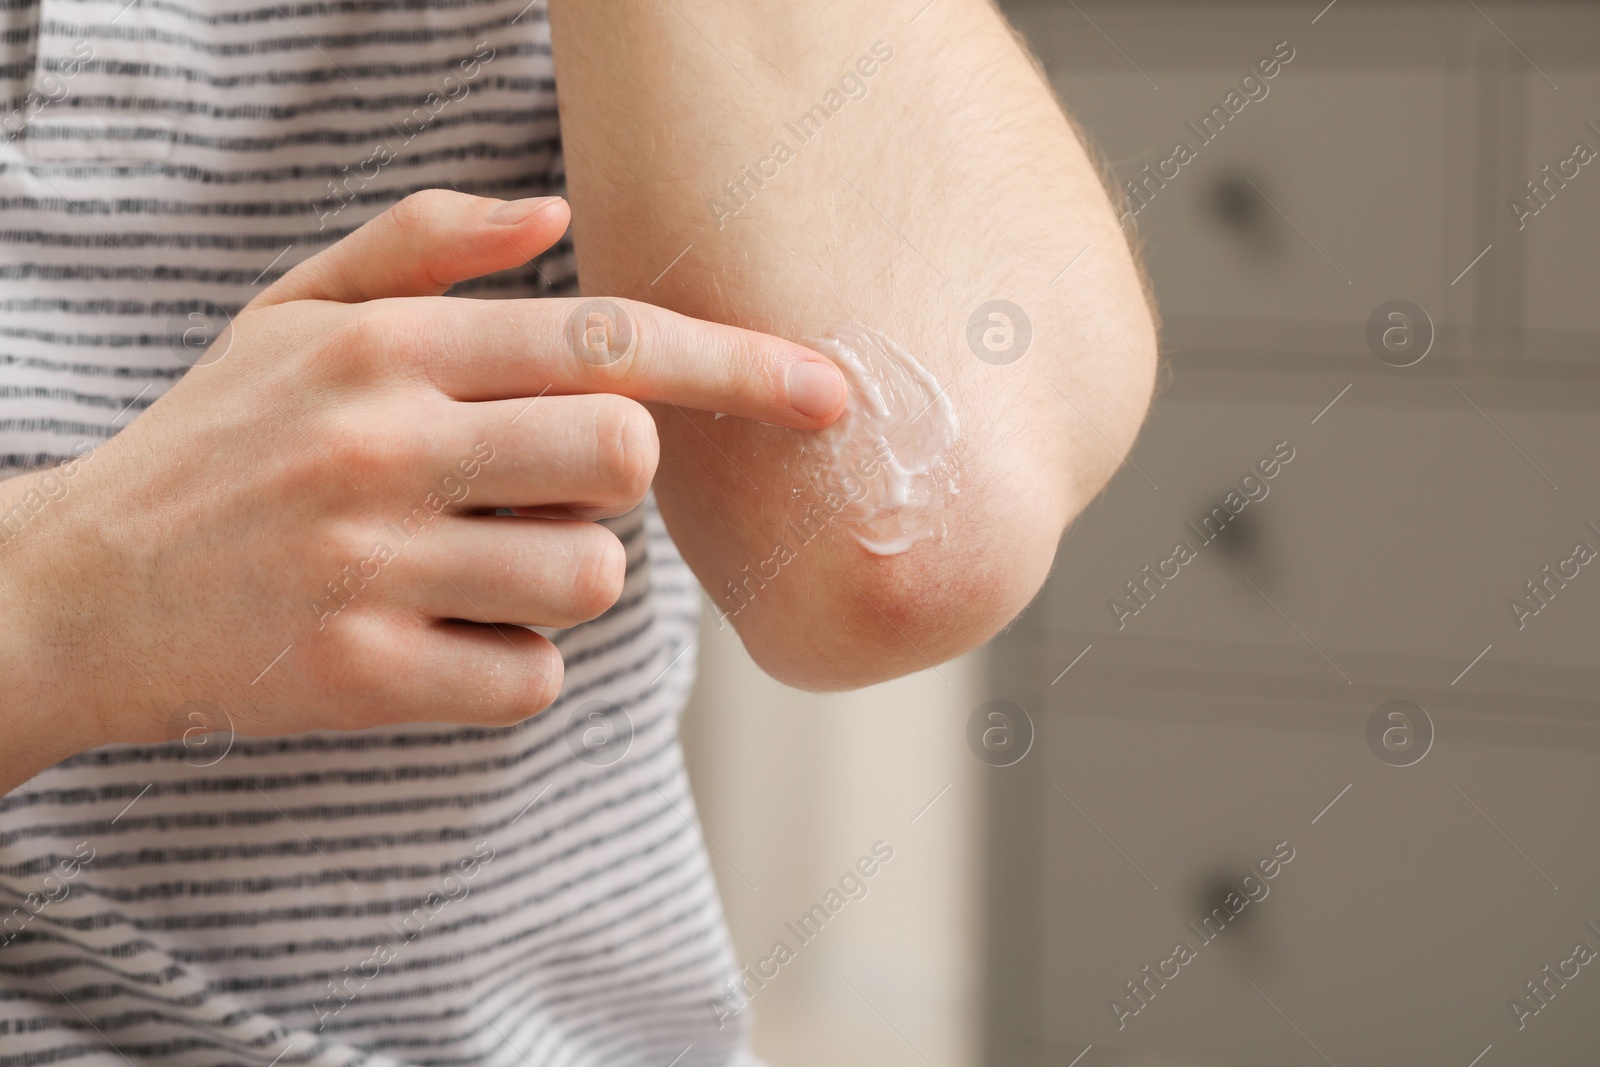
[
  {"x": 354, "y": 342},
  {"x": 509, "y": 689},
  {"x": 658, "y": 338},
  {"x": 351, "y": 662},
  {"x": 359, "y": 453},
  {"x": 599, "y": 570},
  {"x": 411, "y": 215},
  {"x": 539, "y": 683},
  {"x": 629, "y": 447},
  {"x": 632, "y": 340},
  {"x": 323, "y": 456},
  {"x": 339, "y": 543},
  {"x": 377, "y": 340},
  {"x": 372, "y": 450},
  {"x": 748, "y": 368},
  {"x": 732, "y": 362},
  {"x": 420, "y": 221}
]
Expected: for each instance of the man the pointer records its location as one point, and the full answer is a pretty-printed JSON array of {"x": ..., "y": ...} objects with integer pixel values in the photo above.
[{"x": 280, "y": 793}]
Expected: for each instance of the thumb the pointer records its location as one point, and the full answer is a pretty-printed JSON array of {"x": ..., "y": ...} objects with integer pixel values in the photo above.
[{"x": 423, "y": 245}]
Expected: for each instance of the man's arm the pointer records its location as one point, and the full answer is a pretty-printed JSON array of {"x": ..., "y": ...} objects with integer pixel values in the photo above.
[
  {"x": 793, "y": 168},
  {"x": 300, "y": 535}
]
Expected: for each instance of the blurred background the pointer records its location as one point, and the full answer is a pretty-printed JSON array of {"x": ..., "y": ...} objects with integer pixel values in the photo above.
[{"x": 1377, "y": 272}]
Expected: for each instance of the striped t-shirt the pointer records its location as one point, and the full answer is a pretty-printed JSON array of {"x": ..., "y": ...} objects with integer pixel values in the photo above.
[{"x": 423, "y": 894}]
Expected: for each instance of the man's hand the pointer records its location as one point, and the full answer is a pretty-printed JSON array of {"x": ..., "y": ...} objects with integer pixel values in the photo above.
[{"x": 318, "y": 496}]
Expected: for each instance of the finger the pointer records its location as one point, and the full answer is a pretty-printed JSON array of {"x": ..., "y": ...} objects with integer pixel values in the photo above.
[
  {"x": 527, "y": 572},
  {"x": 497, "y": 349},
  {"x": 594, "y": 455},
  {"x": 423, "y": 245},
  {"x": 461, "y": 672},
  {"x": 399, "y": 669}
]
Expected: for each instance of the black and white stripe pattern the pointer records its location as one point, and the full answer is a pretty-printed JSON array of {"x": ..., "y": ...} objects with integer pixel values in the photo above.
[{"x": 416, "y": 895}]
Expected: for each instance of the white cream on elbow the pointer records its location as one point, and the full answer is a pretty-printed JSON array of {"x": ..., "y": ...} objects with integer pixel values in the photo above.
[{"x": 892, "y": 454}]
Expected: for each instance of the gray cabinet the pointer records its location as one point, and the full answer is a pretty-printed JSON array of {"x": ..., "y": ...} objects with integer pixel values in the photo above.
[
  {"x": 1233, "y": 697},
  {"x": 1378, "y": 163}
]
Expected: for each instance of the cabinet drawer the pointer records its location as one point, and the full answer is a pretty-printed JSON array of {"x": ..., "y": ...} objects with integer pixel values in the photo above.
[
  {"x": 1560, "y": 226},
  {"x": 1397, "y": 934},
  {"x": 1341, "y": 183},
  {"x": 1390, "y": 550}
]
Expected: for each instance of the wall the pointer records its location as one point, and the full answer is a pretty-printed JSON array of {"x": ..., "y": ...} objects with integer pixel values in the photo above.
[{"x": 793, "y": 789}]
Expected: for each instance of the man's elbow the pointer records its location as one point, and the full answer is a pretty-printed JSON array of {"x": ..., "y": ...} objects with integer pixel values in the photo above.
[
  {"x": 875, "y": 618},
  {"x": 853, "y": 619}
]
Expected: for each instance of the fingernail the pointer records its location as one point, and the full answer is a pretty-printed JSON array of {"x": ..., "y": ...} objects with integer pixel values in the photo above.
[
  {"x": 815, "y": 389},
  {"x": 514, "y": 211}
]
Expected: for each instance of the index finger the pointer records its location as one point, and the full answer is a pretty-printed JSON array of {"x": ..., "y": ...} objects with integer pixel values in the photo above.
[{"x": 504, "y": 349}]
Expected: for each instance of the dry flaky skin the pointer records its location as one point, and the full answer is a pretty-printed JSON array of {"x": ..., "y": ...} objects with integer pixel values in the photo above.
[{"x": 790, "y": 167}]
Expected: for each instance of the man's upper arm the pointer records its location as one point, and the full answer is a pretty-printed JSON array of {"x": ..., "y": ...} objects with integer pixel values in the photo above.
[{"x": 796, "y": 168}]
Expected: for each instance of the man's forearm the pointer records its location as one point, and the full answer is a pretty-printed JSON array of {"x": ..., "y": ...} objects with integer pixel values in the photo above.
[
  {"x": 50, "y": 653},
  {"x": 794, "y": 168}
]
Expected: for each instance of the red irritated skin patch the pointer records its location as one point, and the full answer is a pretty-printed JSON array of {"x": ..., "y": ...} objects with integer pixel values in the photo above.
[{"x": 892, "y": 454}]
